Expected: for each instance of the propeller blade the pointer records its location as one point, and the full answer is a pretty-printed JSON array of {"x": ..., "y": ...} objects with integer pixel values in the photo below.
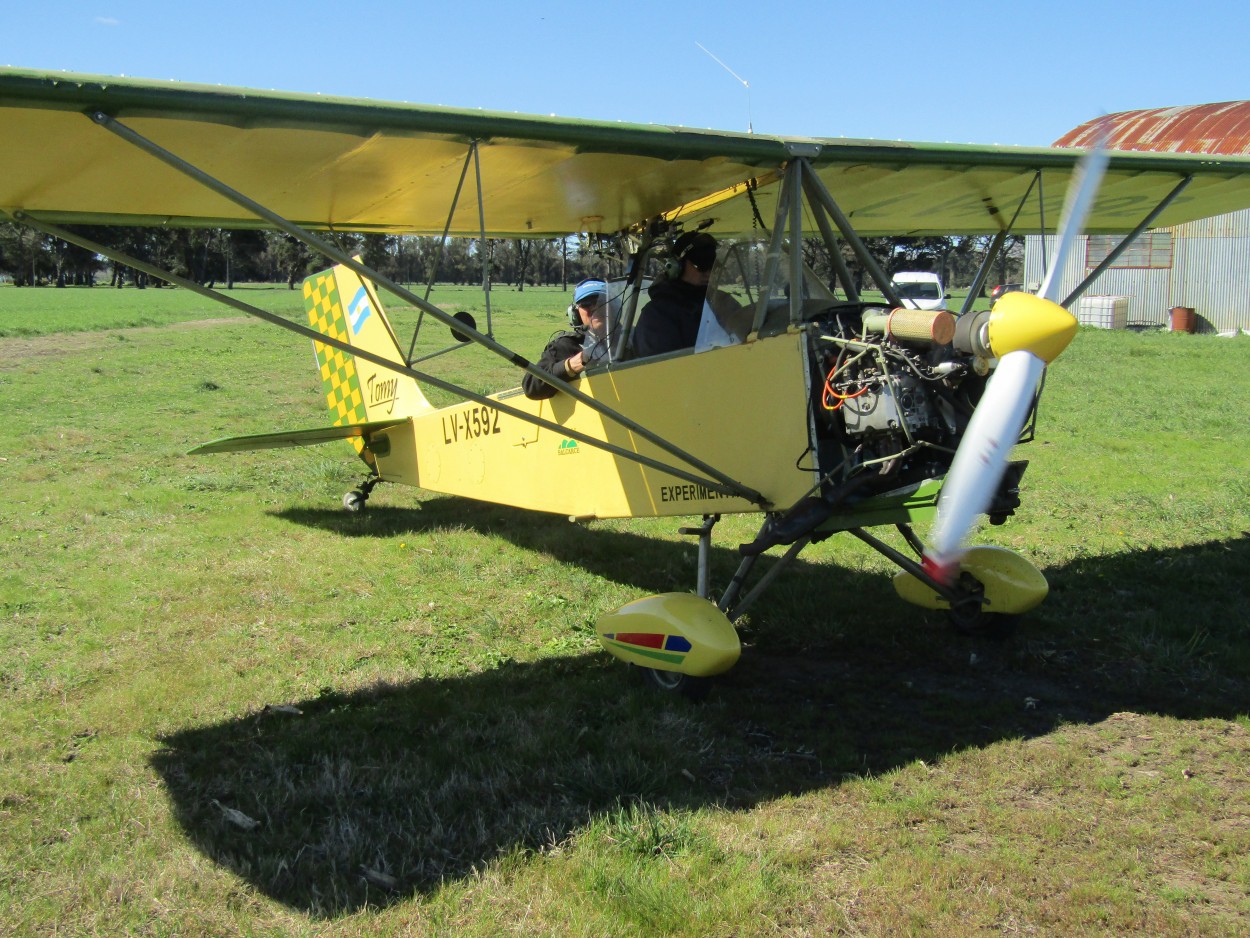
[
  {"x": 1080, "y": 199},
  {"x": 1025, "y": 333},
  {"x": 981, "y": 459}
]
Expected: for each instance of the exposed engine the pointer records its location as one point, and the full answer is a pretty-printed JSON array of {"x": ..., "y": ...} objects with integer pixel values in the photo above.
[{"x": 893, "y": 396}]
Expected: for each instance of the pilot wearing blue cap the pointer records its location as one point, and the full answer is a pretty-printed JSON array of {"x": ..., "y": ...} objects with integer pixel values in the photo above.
[{"x": 568, "y": 353}]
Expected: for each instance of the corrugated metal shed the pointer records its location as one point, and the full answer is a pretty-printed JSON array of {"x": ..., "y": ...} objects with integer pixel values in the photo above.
[
  {"x": 1209, "y": 269},
  {"x": 1196, "y": 128}
]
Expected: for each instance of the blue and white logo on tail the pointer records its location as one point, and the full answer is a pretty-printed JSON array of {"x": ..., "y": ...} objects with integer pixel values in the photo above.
[{"x": 358, "y": 310}]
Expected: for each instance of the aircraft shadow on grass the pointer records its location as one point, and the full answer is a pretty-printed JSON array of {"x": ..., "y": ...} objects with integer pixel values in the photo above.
[
  {"x": 371, "y": 797},
  {"x": 632, "y": 559}
]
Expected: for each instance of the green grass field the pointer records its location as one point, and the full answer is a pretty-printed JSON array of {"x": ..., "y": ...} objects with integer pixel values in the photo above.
[{"x": 229, "y": 708}]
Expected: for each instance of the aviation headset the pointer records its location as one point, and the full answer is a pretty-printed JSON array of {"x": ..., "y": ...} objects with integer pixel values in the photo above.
[
  {"x": 677, "y": 257},
  {"x": 681, "y": 248}
]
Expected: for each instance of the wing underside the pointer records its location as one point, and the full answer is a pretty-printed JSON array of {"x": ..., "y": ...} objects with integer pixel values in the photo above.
[{"x": 347, "y": 164}]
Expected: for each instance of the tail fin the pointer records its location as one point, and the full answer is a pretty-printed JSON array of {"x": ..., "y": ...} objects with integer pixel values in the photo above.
[{"x": 344, "y": 307}]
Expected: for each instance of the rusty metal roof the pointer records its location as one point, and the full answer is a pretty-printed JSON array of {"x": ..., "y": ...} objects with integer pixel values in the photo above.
[{"x": 1195, "y": 128}]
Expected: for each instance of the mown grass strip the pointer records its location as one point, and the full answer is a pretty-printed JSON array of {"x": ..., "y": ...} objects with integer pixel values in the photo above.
[{"x": 412, "y": 706}]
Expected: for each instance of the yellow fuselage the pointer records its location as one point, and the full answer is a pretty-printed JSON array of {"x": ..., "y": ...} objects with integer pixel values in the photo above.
[{"x": 742, "y": 409}]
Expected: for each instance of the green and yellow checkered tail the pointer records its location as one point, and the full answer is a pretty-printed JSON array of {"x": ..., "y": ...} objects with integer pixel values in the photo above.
[{"x": 344, "y": 307}]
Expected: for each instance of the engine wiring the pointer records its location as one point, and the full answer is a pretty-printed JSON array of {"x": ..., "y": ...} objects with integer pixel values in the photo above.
[
  {"x": 838, "y": 399},
  {"x": 831, "y": 392}
]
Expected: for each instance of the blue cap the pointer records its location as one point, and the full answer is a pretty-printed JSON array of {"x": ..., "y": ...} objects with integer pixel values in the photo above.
[{"x": 588, "y": 288}]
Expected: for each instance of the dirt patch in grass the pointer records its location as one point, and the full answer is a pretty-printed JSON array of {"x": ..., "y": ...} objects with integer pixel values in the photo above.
[{"x": 16, "y": 352}]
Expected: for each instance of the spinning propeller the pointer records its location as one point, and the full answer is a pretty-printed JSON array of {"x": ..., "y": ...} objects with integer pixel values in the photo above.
[{"x": 1025, "y": 333}]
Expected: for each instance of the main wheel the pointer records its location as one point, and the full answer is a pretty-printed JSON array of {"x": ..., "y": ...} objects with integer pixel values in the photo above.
[
  {"x": 674, "y": 682},
  {"x": 355, "y": 500},
  {"x": 969, "y": 616},
  {"x": 974, "y": 620}
]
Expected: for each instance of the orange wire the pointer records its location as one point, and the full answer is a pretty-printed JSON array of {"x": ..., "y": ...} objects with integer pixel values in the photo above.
[{"x": 830, "y": 392}]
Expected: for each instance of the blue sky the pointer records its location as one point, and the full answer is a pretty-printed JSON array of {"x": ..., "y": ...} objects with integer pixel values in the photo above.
[{"x": 970, "y": 72}]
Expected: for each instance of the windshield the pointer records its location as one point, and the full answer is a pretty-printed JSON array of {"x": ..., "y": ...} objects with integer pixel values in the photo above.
[
  {"x": 926, "y": 290},
  {"x": 738, "y": 294}
]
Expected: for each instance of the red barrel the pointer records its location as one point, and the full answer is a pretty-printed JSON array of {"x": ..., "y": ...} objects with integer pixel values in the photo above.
[{"x": 1182, "y": 318}]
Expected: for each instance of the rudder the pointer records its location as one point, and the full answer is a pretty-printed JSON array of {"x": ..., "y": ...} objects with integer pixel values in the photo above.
[{"x": 343, "y": 306}]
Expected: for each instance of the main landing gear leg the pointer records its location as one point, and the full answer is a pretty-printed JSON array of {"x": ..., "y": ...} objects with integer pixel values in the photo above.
[
  {"x": 704, "y": 533},
  {"x": 674, "y": 682},
  {"x": 354, "y": 501}
]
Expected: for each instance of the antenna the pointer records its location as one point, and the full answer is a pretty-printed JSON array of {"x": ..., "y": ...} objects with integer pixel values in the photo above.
[{"x": 739, "y": 78}]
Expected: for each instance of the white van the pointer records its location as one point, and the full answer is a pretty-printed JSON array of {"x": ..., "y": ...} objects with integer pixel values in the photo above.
[{"x": 919, "y": 289}]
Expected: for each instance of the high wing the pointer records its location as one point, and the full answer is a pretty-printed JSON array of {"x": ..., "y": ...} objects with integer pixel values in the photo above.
[{"x": 336, "y": 163}]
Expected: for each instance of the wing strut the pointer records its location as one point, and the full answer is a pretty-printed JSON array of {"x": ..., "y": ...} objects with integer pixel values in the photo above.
[
  {"x": 1126, "y": 241},
  {"x": 996, "y": 246},
  {"x": 123, "y": 258},
  {"x": 983, "y": 272},
  {"x": 725, "y": 484},
  {"x": 481, "y": 226},
  {"x": 438, "y": 260}
]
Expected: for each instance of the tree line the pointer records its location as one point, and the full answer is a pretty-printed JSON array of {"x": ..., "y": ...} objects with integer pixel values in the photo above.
[
  {"x": 215, "y": 256},
  {"x": 220, "y": 257}
]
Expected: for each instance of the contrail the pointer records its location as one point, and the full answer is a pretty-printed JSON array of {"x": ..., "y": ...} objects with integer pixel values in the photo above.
[{"x": 745, "y": 84}]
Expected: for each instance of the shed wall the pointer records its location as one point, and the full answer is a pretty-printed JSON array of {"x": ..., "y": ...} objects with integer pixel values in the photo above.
[
  {"x": 1210, "y": 272},
  {"x": 1215, "y": 280}
]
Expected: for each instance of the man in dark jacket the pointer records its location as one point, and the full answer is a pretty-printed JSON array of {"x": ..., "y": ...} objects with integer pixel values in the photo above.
[
  {"x": 566, "y": 355},
  {"x": 670, "y": 321}
]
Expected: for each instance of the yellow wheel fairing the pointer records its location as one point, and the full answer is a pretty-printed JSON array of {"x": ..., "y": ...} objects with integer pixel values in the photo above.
[
  {"x": 671, "y": 632},
  {"x": 1012, "y": 584}
]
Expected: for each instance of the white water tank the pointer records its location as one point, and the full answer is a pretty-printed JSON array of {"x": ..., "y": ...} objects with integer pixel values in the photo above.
[{"x": 1103, "y": 312}]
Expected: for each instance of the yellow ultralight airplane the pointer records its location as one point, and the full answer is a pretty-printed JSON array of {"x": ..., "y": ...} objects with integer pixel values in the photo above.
[{"x": 823, "y": 410}]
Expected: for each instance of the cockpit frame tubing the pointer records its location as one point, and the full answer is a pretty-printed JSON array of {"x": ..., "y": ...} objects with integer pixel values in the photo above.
[
  {"x": 796, "y": 244},
  {"x": 776, "y": 244},
  {"x": 818, "y": 194},
  {"x": 635, "y": 275}
]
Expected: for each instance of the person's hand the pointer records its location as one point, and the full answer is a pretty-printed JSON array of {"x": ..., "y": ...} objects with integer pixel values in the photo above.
[{"x": 574, "y": 365}]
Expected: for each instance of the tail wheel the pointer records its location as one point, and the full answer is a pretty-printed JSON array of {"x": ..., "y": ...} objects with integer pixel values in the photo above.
[{"x": 354, "y": 501}]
